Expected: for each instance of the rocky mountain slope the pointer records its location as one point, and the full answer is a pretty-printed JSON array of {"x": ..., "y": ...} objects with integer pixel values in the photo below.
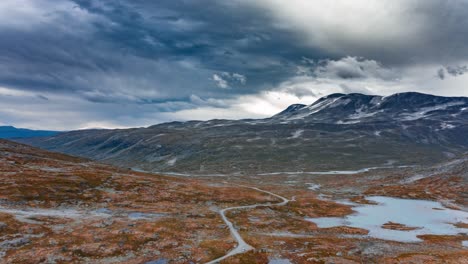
[{"x": 337, "y": 132}]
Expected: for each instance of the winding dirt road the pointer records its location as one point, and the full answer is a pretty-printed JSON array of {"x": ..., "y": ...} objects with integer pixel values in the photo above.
[{"x": 242, "y": 246}]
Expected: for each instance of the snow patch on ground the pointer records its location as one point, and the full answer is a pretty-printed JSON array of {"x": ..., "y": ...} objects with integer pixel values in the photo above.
[
  {"x": 279, "y": 261},
  {"x": 414, "y": 178},
  {"x": 350, "y": 172},
  {"x": 313, "y": 186},
  {"x": 27, "y": 215},
  {"x": 290, "y": 182},
  {"x": 144, "y": 216}
]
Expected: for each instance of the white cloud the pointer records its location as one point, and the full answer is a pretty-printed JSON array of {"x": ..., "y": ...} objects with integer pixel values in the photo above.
[
  {"x": 349, "y": 68},
  {"x": 30, "y": 14},
  {"x": 400, "y": 31},
  {"x": 225, "y": 80},
  {"x": 239, "y": 77},
  {"x": 338, "y": 25},
  {"x": 220, "y": 82},
  {"x": 264, "y": 104}
]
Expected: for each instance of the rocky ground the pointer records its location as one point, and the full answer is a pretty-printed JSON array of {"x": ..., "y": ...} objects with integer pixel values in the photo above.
[{"x": 60, "y": 209}]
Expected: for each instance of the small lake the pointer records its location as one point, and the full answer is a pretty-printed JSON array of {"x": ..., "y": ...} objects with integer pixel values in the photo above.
[{"x": 428, "y": 216}]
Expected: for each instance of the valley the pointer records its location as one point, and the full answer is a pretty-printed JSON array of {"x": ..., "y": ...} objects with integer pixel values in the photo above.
[{"x": 61, "y": 209}]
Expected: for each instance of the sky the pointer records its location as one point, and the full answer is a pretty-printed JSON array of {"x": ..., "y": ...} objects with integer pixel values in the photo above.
[{"x": 75, "y": 64}]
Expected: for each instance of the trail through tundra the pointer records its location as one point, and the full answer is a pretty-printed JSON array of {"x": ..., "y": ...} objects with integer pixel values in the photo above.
[{"x": 242, "y": 246}]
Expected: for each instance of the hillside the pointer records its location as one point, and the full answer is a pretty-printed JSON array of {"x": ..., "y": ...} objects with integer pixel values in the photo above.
[
  {"x": 60, "y": 209},
  {"x": 337, "y": 132}
]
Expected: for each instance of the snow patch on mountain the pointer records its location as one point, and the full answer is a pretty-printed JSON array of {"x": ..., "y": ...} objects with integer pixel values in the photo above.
[
  {"x": 297, "y": 134},
  {"x": 447, "y": 126},
  {"x": 360, "y": 114},
  {"x": 341, "y": 122},
  {"x": 172, "y": 161},
  {"x": 254, "y": 139},
  {"x": 315, "y": 108},
  {"x": 376, "y": 100},
  {"x": 424, "y": 111}
]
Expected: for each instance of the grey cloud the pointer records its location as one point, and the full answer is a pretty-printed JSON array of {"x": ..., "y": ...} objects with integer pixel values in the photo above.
[
  {"x": 220, "y": 81},
  {"x": 144, "y": 51},
  {"x": 346, "y": 68},
  {"x": 453, "y": 71},
  {"x": 457, "y": 70},
  {"x": 226, "y": 80},
  {"x": 441, "y": 73},
  {"x": 210, "y": 102},
  {"x": 348, "y": 89}
]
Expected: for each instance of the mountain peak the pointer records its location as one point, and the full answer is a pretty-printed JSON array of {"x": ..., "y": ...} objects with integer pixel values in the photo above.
[
  {"x": 291, "y": 109},
  {"x": 333, "y": 95}
]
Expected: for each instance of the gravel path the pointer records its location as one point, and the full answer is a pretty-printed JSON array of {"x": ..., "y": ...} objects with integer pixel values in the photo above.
[{"x": 242, "y": 246}]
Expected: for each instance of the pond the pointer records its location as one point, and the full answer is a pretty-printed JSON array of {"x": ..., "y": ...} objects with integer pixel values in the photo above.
[{"x": 427, "y": 217}]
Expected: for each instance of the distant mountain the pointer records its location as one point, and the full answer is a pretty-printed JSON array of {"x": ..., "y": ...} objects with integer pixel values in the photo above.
[
  {"x": 358, "y": 108},
  {"x": 13, "y": 132},
  {"x": 337, "y": 132}
]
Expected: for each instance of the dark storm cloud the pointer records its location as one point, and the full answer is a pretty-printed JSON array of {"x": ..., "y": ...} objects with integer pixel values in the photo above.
[
  {"x": 144, "y": 51},
  {"x": 149, "y": 57}
]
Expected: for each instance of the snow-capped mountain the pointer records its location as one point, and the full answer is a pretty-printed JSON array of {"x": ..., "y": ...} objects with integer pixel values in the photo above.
[
  {"x": 359, "y": 108},
  {"x": 337, "y": 132}
]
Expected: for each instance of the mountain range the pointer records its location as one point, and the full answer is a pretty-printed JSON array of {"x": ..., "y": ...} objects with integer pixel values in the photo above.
[
  {"x": 13, "y": 132},
  {"x": 337, "y": 132}
]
